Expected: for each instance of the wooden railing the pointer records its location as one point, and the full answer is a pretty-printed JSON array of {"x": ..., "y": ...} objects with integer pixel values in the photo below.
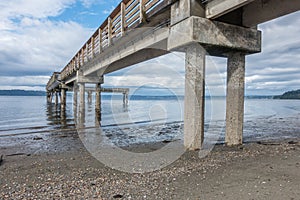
[{"x": 127, "y": 15}]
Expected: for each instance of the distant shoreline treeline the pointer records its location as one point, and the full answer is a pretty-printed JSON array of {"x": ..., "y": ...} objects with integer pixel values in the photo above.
[
  {"x": 21, "y": 93},
  {"x": 294, "y": 94}
]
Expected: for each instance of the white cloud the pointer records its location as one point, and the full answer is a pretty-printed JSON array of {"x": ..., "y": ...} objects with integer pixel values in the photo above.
[
  {"x": 40, "y": 46},
  {"x": 89, "y": 3},
  {"x": 23, "y": 81},
  {"x": 33, "y": 8},
  {"x": 107, "y": 12},
  {"x": 32, "y": 44}
]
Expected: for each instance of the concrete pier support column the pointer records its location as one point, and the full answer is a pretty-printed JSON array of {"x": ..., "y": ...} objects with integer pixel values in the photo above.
[
  {"x": 75, "y": 100},
  {"x": 98, "y": 101},
  {"x": 51, "y": 97},
  {"x": 75, "y": 95},
  {"x": 81, "y": 104},
  {"x": 194, "y": 97},
  {"x": 235, "y": 99},
  {"x": 56, "y": 98},
  {"x": 63, "y": 99},
  {"x": 82, "y": 95}
]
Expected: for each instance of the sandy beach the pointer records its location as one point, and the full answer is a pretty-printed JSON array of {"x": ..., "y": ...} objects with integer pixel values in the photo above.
[{"x": 258, "y": 170}]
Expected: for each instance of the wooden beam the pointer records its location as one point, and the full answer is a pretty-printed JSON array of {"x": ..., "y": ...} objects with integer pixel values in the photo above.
[
  {"x": 217, "y": 8},
  {"x": 262, "y": 11}
]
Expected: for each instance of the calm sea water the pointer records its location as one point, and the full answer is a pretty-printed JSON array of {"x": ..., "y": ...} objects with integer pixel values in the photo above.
[{"x": 264, "y": 118}]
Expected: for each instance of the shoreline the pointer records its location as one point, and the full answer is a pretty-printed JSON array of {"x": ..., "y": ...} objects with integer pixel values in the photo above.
[{"x": 269, "y": 170}]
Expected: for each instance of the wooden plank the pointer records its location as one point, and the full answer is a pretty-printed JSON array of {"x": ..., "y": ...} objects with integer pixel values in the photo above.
[
  {"x": 132, "y": 14},
  {"x": 217, "y": 8},
  {"x": 151, "y": 4},
  {"x": 132, "y": 20},
  {"x": 116, "y": 19},
  {"x": 128, "y": 4},
  {"x": 132, "y": 7}
]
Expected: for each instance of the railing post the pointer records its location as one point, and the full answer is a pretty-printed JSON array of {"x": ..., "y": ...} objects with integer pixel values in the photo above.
[
  {"x": 100, "y": 40},
  {"x": 82, "y": 56},
  {"x": 77, "y": 61},
  {"x": 93, "y": 47},
  {"x": 87, "y": 51},
  {"x": 109, "y": 25},
  {"x": 142, "y": 11},
  {"x": 123, "y": 23}
]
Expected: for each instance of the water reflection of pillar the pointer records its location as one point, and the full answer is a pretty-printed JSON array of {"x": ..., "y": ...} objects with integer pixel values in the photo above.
[
  {"x": 63, "y": 118},
  {"x": 90, "y": 101},
  {"x": 125, "y": 99},
  {"x": 98, "y": 103}
]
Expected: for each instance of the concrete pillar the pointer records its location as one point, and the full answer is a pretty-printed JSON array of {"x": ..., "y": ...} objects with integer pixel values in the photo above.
[
  {"x": 75, "y": 95},
  {"x": 81, "y": 104},
  {"x": 98, "y": 101},
  {"x": 51, "y": 97},
  {"x": 235, "y": 99},
  {"x": 56, "y": 98},
  {"x": 63, "y": 99},
  {"x": 194, "y": 97},
  {"x": 82, "y": 95}
]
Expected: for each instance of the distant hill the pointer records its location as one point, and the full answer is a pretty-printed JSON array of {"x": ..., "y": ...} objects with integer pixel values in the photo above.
[
  {"x": 21, "y": 93},
  {"x": 295, "y": 94}
]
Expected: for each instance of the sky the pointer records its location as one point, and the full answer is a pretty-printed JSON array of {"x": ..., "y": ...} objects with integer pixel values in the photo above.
[{"x": 40, "y": 37}]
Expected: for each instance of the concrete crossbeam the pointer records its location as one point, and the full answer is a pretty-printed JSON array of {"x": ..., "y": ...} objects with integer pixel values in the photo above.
[
  {"x": 183, "y": 9},
  {"x": 217, "y": 8},
  {"x": 216, "y": 37},
  {"x": 91, "y": 80}
]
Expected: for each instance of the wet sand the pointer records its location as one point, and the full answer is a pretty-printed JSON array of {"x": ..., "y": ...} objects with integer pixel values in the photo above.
[{"x": 263, "y": 170}]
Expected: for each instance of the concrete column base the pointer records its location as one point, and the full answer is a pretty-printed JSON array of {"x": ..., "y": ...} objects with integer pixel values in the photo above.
[
  {"x": 194, "y": 97},
  {"x": 235, "y": 99}
]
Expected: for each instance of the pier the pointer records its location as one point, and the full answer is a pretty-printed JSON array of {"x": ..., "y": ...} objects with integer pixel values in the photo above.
[{"x": 139, "y": 30}]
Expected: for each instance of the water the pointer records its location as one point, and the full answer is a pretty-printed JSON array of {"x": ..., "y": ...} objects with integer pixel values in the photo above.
[{"x": 264, "y": 118}]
